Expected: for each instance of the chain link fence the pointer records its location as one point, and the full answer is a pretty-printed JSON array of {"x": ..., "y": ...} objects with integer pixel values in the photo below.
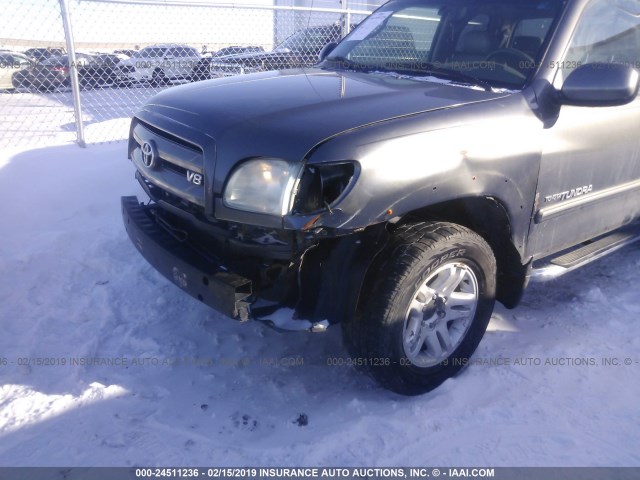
[{"x": 122, "y": 52}]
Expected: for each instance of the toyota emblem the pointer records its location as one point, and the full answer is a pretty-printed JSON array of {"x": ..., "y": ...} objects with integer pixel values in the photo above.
[{"x": 149, "y": 154}]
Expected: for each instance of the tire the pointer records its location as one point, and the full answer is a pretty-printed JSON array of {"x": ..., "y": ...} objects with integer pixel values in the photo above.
[
  {"x": 424, "y": 313},
  {"x": 17, "y": 79},
  {"x": 158, "y": 78}
]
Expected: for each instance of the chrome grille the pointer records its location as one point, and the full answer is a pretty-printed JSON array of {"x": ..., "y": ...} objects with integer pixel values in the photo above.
[{"x": 175, "y": 158}]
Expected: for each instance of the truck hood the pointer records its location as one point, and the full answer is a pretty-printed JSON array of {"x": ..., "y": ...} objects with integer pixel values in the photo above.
[{"x": 285, "y": 114}]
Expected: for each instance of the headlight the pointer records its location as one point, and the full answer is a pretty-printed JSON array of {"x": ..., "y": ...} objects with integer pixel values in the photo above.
[{"x": 263, "y": 185}]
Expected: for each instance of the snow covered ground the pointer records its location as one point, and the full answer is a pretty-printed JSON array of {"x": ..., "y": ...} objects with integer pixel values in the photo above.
[
  {"x": 193, "y": 388},
  {"x": 31, "y": 118}
]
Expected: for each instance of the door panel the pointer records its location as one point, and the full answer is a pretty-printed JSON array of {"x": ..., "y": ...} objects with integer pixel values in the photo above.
[{"x": 589, "y": 179}]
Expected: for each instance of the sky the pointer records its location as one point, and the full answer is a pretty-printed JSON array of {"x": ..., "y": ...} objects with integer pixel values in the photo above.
[{"x": 118, "y": 24}]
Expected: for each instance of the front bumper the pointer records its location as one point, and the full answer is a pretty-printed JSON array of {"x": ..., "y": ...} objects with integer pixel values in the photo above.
[{"x": 201, "y": 277}]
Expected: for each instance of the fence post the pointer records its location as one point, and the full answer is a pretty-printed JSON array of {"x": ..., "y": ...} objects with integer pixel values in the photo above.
[
  {"x": 346, "y": 20},
  {"x": 73, "y": 71}
]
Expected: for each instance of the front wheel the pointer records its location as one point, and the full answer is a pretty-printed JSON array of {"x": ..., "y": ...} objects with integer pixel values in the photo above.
[{"x": 425, "y": 312}]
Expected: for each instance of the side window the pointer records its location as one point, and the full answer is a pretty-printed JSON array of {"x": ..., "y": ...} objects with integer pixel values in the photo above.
[
  {"x": 184, "y": 52},
  {"x": 155, "y": 53},
  {"x": 608, "y": 32}
]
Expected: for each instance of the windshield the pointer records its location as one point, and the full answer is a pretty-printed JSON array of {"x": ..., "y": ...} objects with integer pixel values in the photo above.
[
  {"x": 488, "y": 43},
  {"x": 309, "y": 40},
  {"x": 56, "y": 61}
]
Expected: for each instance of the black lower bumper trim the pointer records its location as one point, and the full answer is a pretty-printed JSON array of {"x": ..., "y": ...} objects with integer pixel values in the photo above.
[{"x": 200, "y": 277}]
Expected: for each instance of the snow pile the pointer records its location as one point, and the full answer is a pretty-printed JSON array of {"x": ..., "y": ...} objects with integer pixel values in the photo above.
[{"x": 107, "y": 363}]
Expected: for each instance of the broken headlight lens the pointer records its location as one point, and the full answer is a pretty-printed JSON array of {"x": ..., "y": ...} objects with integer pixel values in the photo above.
[{"x": 323, "y": 185}]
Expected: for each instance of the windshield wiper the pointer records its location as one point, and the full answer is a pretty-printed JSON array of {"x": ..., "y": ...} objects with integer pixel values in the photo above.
[
  {"x": 427, "y": 69},
  {"x": 437, "y": 71}
]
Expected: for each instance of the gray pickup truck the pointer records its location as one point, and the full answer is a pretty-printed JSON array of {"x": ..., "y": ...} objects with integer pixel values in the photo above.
[{"x": 441, "y": 156}]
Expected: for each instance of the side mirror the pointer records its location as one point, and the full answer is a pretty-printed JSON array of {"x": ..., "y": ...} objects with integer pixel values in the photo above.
[
  {"x": 600, "y": 85},
  {"x": 326, "y": 50}
]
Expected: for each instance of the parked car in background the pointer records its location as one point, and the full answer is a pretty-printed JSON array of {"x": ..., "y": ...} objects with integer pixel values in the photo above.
[
  {"x": 11, "y": 64},
  {"x": 159, "y": 64},
  {"x": 101, "y": 70},
  {"x": 202, "y": 69},
  {"x": 51, "y": 73},
  {"x": 299, "y": 50},
  {"x": 93, "y": 71},
  {"x": 41, "y": 54}
]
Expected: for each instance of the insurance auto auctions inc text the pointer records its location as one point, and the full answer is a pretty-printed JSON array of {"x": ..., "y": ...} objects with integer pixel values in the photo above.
[{"x": 372, "y": 473}]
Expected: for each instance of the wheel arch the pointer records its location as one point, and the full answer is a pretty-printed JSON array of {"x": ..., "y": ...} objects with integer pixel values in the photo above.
[
  {"x": 489, "y": 218},
  {"x": 350, "y": 263}
]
